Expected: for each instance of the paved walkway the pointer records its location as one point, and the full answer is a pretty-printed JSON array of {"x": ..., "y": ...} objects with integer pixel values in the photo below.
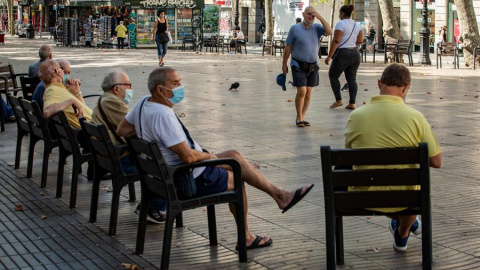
[{"x": 258, "y": 120}]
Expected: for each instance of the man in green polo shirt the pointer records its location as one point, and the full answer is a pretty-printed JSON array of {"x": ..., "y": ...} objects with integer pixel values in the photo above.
[{"x": 386, "y": 122}]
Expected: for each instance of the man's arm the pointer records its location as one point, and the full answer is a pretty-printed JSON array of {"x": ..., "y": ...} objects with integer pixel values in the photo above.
[
  {"x": 326, "y": 26},
  {"x": 126, "y": 130},
  {"x": 436, "y": 161},
  {"x": 54, "y": 108},
  {"x": 188, "y": 155},
  {"x": 286, "y": 55}
]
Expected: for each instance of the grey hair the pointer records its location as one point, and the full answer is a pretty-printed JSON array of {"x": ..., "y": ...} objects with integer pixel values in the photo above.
[
  {"x": 158, "y": 77},
  {"x": 45, "y": 51},
  {"x": 62, "y": 62},
  {"x": 113, "y": 77}
]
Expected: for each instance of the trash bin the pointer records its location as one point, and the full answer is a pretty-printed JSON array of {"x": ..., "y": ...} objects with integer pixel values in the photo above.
[
  {"x": 2, "y": 38},
  {"x": 30, "y": 32}
]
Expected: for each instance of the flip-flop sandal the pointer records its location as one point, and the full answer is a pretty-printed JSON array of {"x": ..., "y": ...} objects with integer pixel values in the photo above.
[
  {"x": 297, "y": 197},
  {"x": 256, "y": 243},
  {"x": 336, "y": 104},
  {"x": 307, "y": 124},
  {"x": 299, "y": 123}
]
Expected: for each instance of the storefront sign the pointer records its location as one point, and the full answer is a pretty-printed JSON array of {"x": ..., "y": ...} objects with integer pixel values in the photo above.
[{"x": 169, "y": 3}]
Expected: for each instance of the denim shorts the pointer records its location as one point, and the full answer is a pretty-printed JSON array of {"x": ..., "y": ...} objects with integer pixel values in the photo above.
[
  {"x": 302, "y": 78},
  {"x": 212, "y": 180}
]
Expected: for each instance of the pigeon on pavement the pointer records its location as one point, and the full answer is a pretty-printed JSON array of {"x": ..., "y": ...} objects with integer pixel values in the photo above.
[{"x": 234, "y": 86}]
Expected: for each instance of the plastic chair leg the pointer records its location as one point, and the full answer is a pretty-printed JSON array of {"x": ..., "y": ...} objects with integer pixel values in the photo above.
[
  {"x": 167, "y": 240},
  {"x": 112, "y": 229},
  {"x": 61, "y": 169},
  {"x": 142, "y": 227},
  {"x": 73, "y": 190},
  {"x": 46, "y": 154},
  {"x": 131, "y": 192},
  {"x": 94, "y": 200},
  {"x": 212, "y": 225}
]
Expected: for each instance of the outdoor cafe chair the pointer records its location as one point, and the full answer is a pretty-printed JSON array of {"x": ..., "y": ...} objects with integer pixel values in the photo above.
[
  {"x": 22, "y": 125},
  {"x": 40, "y": 129},
  {"x": 29, "y": 84},
  {"x": 340, "y": 202},
  {"x": 106, "y": 156},
  {"x": 157, "y": 180}
]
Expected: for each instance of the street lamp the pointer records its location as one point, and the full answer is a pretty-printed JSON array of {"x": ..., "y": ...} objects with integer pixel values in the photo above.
[
  {"x": 425, "y": 36},
  {"x": 236, "y": 13}
]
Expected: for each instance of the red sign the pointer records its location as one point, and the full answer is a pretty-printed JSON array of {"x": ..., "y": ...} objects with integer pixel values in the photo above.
[
  {"x": 220, "y": 2},
  {"x": 429, "y": 1},
  {"x": 456, "y": 30}
]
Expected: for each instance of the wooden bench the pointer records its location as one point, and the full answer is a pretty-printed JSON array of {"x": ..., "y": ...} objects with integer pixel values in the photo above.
[
  {"x": 448, "y": 49},
  {"x": 339, "y": 202},
  {"x": 404, "y": 47}
]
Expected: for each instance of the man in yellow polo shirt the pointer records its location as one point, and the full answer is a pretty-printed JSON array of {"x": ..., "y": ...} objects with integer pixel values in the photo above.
[
  {"x": 57, "y": 96},
  {"x": 386, "y": 122},
  {"x": 121, "y": 33}
]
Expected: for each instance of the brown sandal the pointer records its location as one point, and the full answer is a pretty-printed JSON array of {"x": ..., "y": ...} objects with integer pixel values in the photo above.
[
  {"x": 350, "y": 107},
  {"x": 336, "y": 104}
]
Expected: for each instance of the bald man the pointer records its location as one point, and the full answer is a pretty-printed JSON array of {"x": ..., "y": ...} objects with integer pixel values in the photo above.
[{"x": 45, "y": 53}]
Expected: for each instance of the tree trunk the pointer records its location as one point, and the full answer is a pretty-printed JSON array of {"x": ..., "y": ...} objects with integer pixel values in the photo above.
[
  {"x": 468, "y": 29},
  {"x": 11, "y": 24},
  {"x": 391, "y": 29},
  {"x": 269, "y": 22}
]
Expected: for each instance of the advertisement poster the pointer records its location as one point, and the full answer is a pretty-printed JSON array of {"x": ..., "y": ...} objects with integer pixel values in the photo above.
[
  {"x": 456, "y": 30},
  {"x": 225, "y": 23},
  {"x": 284, "y": 13},
  {"x": 210, "y": 19}
]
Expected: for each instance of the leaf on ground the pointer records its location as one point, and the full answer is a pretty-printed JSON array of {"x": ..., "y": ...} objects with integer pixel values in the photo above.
[
  {"x": 422, "y": 74},
  {"x": 270, "y": 71},
  {"x": 289, "y": 100},
  {"x": 42, "y": 194},
  {"x": 182, "y": 115},
  {"x": 373, "y": 249},
  {"x": 42, "y": 216},
  {"x": 361, "y": 83},
  {"x": 130, "y": 266},
  {"x": 365, "y": 89},
  {"x": 475, "y": 96},
  {"x": 429, "y": 93},
  {"x": 18, "y": 207},
  {"x": 364, "y": 102},
  {"x": 441, "y": 97},
  {"x": 107, "y": 189},
  {"x": 331, "y": 134}
]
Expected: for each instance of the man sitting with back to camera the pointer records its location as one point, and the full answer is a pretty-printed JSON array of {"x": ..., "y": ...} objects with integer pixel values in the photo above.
[
  {"x": 386, "y": 122},
  {"x": 153, "y": 119}
]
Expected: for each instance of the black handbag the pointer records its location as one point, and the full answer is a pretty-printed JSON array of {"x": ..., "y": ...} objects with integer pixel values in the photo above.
[{"x": 163, "y": 38}]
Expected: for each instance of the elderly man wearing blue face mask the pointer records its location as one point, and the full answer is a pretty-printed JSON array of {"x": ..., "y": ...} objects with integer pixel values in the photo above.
[
  {"x": 153, "y": 119},
  {"x": 110, "y": 110}
]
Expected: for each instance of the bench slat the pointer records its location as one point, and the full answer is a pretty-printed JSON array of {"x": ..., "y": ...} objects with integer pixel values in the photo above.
[
  {"x": 376, "y": 199},
  {"x": 387, "y": 156},
  {"x": 381, "y": 177}
]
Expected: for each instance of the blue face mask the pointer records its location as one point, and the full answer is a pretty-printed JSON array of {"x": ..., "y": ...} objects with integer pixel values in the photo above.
[
  {"x": 65, "y": 78},
  {"x": 178, "y": 94},
  {"x": 128, "y": 96},
  {"x": 306, "y": 22}
]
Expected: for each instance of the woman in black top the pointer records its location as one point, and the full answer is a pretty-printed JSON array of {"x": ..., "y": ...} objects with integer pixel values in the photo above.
[{"x": 160, "y": 36}]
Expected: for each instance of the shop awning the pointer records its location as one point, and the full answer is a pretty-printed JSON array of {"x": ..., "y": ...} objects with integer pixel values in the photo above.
[
  {"x": 84, "y": 3},
  {"x": 154, "y": 4}
]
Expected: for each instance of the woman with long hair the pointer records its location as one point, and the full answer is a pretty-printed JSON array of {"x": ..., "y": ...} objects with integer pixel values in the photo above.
[
  {"x": 160, "y": 35},
  {"x": 345, "y": 56}
]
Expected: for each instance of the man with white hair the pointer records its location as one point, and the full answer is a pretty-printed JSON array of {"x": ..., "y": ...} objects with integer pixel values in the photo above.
[
  {"x": 40, "y": 90},
  {"x": 45, "y": 53},
  {"x": 111, "y": 110}
]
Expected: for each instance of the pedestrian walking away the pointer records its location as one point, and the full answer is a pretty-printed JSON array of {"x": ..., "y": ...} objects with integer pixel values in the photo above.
[
  {"x": 160, "y": 36},
  {"x": 371, "y": 38},
  {"x": 261, "y": 31},
  {"x": 302, "y": 44},
  {"x": 347, "y": 36}
]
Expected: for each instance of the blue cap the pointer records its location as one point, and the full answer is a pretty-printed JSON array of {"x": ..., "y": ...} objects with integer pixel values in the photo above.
[{"x": 281, "y": 80}]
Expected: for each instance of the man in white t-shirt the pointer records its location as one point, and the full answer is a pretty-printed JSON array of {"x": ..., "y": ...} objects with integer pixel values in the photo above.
[{"x": 153, "y": 119}]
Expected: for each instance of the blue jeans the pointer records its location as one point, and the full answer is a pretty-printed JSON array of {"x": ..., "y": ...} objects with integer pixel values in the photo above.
[
  {"x": 128, "y": 166},
  {"x": 161, "y": 48}
]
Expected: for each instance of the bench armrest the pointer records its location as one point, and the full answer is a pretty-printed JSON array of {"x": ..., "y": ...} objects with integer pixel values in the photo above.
[{"x": 213, "y": 162}]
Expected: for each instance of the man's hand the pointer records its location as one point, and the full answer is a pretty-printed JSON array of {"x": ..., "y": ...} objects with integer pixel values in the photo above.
[
  {"x": 77, "y": 107},
  {"x": 285, "y": 69},
  {"x": 73, "y": 85},
  {"x": 327, "y": 60}
]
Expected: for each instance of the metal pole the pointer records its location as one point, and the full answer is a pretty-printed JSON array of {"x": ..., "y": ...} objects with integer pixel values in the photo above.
[
  {"x": 236, "y": 13},
  {"x": 425, "y": 36}
]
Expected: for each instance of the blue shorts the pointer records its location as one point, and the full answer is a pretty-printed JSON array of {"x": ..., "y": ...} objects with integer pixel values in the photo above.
[
  {"x": 302, "y": 78},
  {"x": 212, "y": 180}
]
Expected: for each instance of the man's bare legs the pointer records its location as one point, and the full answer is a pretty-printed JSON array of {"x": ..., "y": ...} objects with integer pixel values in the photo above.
[
  {"x": 302, "y": 101},
  {"x": 251, "y": 176}
]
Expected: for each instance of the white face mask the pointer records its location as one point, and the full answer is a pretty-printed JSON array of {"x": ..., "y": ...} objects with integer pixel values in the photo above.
[{"x": 128, "y": 96}]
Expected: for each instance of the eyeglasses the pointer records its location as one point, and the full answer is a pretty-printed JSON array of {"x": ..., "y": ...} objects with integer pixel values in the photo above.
[{"x": 126, "y": 84}]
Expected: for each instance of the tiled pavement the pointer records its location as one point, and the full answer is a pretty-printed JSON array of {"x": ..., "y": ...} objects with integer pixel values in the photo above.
[{"x": 257, "y": 120}]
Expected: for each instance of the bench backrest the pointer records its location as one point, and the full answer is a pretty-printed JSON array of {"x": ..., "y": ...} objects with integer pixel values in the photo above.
[
  {"x": 39, "y": 125},
  {"x": 18, "y": 111},
  {"x": 28, "y": 86},
  {"x": 447, "y": 48},
  {"x": 5, "y": 72},
  {"x": 152, "y": 167},
  {"x": 404, "y": 46},
  {"x": 104, "y": 152},
  {"x": 66, "y": 136},
  {"x": 336, "y": 182}
]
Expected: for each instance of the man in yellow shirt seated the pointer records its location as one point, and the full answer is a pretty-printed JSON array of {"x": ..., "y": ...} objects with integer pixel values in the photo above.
[
  {"x": 58, "y": 96},
  {"x": 386, "y": 122}
]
